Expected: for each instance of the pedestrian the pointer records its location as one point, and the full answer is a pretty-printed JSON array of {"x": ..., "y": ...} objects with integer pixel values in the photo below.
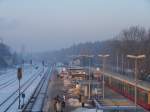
[
  {"x": 82, "y": 101},
  {"x": 64, "y": 97},
  {"x": 55, "y": 108},
  {"x": 82, "y": 104},
  {"x": 80, "y": 98},
  {"x": 58, "y": 98},
  {"x": 93, "y": 103},
  {"x": 58, "y": 106},
  {"x": 63, "y": 105}
]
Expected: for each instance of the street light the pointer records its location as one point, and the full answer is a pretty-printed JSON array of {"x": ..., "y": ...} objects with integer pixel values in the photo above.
[
  {"x": 117, "y": 62},
  {"x": 104, "y": 56},
  {"x": 88, "y": 56},
  {"x": 136, "y": 57},
  {"x": 135, "y": 72}
]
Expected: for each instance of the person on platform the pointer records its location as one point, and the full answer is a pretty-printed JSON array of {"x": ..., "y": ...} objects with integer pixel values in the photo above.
[
  {"x": 63, "y": 105},
  {"x": 58, "y": 106},
  {"x": 55, "y": 102},
  {"x": 82, "y": 101}
]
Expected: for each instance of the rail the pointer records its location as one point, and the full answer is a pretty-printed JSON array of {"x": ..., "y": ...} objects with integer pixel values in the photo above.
[
  {"x": 13, "y": 98},
  {"x": 36, "y": 101}
]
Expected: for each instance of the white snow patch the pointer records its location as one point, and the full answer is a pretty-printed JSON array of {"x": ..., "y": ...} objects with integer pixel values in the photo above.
[
  {"x": 74, "y": 102},
  {"x": 86, "y": 110}
]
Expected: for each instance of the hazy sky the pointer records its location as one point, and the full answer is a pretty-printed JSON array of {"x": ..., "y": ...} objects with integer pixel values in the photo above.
[{"x": 42, "y": 25}]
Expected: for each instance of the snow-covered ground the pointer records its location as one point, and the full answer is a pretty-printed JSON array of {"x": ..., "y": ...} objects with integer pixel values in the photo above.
[
  {"x": 9, "y": 86},
  {"x": 87, "y": 110}
]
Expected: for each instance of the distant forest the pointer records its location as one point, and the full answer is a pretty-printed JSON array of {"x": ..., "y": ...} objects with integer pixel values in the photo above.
[
  {"x": 134, "y": 40},
  {"x": 7, "y": 58}
]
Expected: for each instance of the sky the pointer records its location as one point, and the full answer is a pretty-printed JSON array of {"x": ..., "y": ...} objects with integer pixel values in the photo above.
[{"x": 45, "y": 25}]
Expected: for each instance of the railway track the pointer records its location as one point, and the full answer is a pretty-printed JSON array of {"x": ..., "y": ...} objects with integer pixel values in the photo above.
[
  {"x": 7, "y": 74},
  {"x": 14, "y": 96},
  {"x": 39, "y": 94},
  {"x": 6, "y": 84}
]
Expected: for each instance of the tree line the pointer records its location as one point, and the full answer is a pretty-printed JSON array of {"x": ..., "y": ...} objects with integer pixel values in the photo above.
[
  {"x": 134, "y": 40},
  {"x": 7, "y": 57}
]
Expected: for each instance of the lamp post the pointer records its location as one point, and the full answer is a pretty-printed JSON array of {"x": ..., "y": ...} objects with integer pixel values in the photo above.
[
  {"x": 122, "y": 64},
  {"x": 135, "y": 57},
  {"x": 117, "y": 63},
  {"x": 104, "y": 56},
  {"x": 89, "y": 67},
  {"x": 89, "y": 56}
]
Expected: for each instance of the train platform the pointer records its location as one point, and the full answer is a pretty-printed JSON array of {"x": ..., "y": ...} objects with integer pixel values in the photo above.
[
  {"x": 142, "y": 84},
  {"x": 56, "y": 88},
  {"x": 63, "y": 87},
  {"x": 116, "y": 102},
  {"x": 112, "y": 98}
]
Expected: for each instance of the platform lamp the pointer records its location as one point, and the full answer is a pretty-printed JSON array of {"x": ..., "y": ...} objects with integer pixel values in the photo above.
[
  {"x": 136, "y": 57},
  {"x": 103, "y": 56}
]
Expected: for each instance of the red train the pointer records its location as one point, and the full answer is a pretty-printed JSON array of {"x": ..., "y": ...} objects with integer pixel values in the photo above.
[{"x": 126, "y": 87}]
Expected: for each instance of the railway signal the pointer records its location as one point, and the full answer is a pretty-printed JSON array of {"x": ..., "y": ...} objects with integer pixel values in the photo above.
[
  {"x": 23, "y": 97},
  {"x": 19, "y": 76},
  {"x": 43, "y": 63},
  {"x": 19, "y": 73},
  {"x": 31, "y": 65},
  {"x": 31, "y": 62}
]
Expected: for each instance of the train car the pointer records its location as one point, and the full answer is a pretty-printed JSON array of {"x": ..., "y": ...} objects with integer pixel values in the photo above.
[{"x": 127, "y": 89}]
